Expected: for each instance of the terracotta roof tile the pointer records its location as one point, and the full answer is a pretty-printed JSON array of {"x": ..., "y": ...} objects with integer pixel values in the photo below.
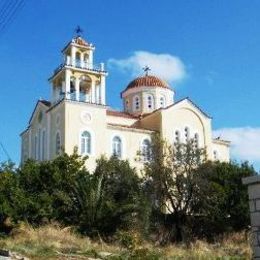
[
  {"x": 80, "y": 41},
  {"x": 148, "y": 81},
  {"x": 120, "y": 114}
]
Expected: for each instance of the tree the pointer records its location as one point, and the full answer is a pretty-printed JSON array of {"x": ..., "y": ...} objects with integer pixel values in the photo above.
[
  {"x": 8, "y": 193},
  {"x": 229, "y": 209},
  {"x": 174, "y": 184},
  {"x": 47, "y": 189},
  {"x": 123, "y": 192}
]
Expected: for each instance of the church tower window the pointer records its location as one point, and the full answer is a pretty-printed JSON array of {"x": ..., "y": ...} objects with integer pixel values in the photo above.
[
  {"x": 85, "y": 143},
  {"x": 77, "y": 61},
  {"x": 117, "y": 146}
]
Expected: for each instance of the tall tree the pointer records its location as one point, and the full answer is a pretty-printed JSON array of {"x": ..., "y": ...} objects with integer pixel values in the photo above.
[{"x": 175, "y": 185}]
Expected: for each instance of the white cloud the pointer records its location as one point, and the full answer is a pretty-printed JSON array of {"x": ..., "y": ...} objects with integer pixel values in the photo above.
[
  {"x": 166, "y": 66},
  {"x": 245, "y": 142}
]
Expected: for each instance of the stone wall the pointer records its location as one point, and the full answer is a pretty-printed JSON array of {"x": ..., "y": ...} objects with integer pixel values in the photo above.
[{"x": 254, "y": 204}]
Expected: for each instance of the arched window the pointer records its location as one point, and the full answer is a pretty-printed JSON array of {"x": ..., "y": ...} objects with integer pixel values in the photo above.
[
  {"x": 39, "y": 145},
  {"x": 85, "y": 143},
  {"x": 86, "y": 58},
  {"x": 146, "y": 150},
  {"x": 162, "y": 101},
  {"x": 35, "y": 147},
  {"x": 215, "y": 155},
  {"x": 177, "y": 137},
  {"x": 43, "y": 144},
  {"x": 136, "y": 103},
  {"x": 117, "y": 147},
  {"x": 77, "y": 61},
  {"x": 150, "y": 102},
  {"x": 127, "y": 105},
  {"x": 196, "y": 140},
  {"x": 187, "y": 133},
  {"x": 58, "y": 143}
]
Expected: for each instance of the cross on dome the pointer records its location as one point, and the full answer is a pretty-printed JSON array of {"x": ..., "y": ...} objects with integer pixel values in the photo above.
[{"x": 146, "y": 70}]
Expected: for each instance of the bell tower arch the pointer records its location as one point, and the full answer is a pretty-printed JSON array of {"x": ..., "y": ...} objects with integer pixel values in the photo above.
[{"x": 78, "y": 78}]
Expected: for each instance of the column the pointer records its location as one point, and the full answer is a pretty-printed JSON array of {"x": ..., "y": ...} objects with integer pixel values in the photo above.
[
  {"x": 98, "y": 94},
  {"x": 77, "y": 81},
  {"x": 103, "y": 89},
  {"x": 73, "y": 55},
  {"x": 253, "y": 183},
  {"x": 93, "y": 91},
  {"x": 67, "y": 84},
  {"x": 82, "y": 65},
  {"x": 90, "y": 59}
]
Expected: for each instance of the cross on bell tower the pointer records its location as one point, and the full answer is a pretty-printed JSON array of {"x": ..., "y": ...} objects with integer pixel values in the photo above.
[{"x": 79, "y": 31}]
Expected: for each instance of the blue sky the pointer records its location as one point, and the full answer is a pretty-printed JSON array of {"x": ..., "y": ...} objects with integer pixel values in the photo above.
[{"x": 215, "y": 45}]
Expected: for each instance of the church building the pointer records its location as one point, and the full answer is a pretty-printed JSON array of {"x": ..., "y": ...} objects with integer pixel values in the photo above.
[{"x": 77, "y": 115}]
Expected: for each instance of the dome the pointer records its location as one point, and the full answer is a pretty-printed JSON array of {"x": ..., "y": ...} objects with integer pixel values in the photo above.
[{"x": 147, "y": 81}]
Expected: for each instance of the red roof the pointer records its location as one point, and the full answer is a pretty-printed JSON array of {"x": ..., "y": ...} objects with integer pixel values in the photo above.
[
  {"x": 80, "y": 41},
  {"x": 120, "y": 114},
  {"x": 147, "y": 81}
]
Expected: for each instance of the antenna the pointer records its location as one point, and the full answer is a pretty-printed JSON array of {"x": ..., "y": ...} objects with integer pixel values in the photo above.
[{"x": 6, "y": 153}]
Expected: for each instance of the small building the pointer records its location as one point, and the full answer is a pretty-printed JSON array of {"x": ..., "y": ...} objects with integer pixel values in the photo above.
[{"x": 77, "y": 115}]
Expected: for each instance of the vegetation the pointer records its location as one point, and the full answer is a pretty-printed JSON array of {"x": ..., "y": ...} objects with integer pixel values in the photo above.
[
  {"x": 181, "y": 198},
  {"x": 53, "y": 241}
]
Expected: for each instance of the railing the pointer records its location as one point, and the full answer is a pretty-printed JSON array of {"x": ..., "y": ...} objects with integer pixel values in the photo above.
[
  {"x": 81, "y": 65},
  {"x": 82, "y": 97}
]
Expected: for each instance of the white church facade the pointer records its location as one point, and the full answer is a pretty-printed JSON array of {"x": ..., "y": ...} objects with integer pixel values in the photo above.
[{"x": 77, "y": 115}]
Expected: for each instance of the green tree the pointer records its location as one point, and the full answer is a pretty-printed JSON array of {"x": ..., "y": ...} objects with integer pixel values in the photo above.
[
  {"x": 110, "y": 199},
  {"x": 229, "y": 209},
  {"x": 8, "y": 194},
  {"x": 174, "y": 184}
]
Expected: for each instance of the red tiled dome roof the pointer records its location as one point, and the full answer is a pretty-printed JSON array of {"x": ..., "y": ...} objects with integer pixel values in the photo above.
[{"x": 147, "y": 81}]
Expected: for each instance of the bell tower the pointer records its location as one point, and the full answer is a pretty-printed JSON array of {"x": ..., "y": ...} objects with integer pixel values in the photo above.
[{"x": 77, "y": 77}]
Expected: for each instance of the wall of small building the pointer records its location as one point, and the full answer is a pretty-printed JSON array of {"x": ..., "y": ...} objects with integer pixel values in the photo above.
[{"x": 222, "y": 151}]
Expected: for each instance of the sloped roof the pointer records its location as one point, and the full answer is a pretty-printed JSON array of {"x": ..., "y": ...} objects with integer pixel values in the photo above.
[
  {"x": 120, "y": 114},
  {"x": 40, "y": 101}
]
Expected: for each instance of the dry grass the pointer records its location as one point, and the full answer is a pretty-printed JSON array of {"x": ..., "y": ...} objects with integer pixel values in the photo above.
[{"x": 55, "y": 242}]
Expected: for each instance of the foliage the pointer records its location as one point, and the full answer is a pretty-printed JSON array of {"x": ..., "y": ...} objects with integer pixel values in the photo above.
[
  {"x": 123, "y": 200},
  {"x": 175, "y": 185},
  {"x": 229, "y": 208},
  {"x": 180, "y": 198},
  {"x": 9, "y": 194},
  {"x": 53, "y": 241}
]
